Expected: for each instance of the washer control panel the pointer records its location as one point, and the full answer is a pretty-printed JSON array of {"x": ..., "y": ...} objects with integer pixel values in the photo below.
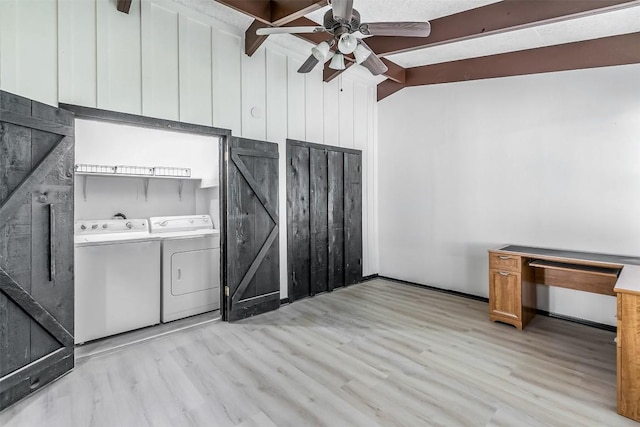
[{"x": 109, "y": 226}]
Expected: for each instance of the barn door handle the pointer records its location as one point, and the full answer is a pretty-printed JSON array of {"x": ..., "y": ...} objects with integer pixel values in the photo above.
[{"x": 52, "y": 242}]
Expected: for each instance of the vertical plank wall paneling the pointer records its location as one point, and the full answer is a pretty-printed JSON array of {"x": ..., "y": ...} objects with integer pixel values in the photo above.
[
  {"x": 8, "y": 46},
  {"x": 254, "y": 94},
  {"x": 195, "y": 72},
  {"x": 166, "y": 60},
  {"x": 160, "y": 69},
  {"x": 227, "y": 91},
  {"x": 297, "y": 100},
  {"x": 29, "y": 49},
  {"x": 346, "y": 121},
  {"x": 372, "y": 264},
  {"x": 119, "y": 73},
  {"x": 331, "y": 95},
  {"x": 314, "y": 106},
  {"x": 77, "y": 52}
]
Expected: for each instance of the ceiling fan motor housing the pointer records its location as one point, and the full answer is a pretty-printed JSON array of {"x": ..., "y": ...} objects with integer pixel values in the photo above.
[{"x": 338, "y": 27}]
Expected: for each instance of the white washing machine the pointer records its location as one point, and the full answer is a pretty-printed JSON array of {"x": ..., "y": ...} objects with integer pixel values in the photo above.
[
  {"x": 190, "y": 265},
  {"x": 117, "y": 277}
]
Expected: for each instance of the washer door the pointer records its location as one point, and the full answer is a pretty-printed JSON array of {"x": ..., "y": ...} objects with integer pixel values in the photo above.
[{"x": 194, "y": 271}]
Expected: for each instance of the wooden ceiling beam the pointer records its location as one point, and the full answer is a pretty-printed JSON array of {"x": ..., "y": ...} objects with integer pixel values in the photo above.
[
  {"x": 506, "y": 15},
  {"x": 285, "y": 11},
  {"x": 123, "y": 6},
  {"x": 603, "y": 52},
  {"x": 274, "y": 12},
  {"x": 252, "y": 41},
  {"x": 257, "y": 9},
  {"x": 396, "y": 73},
  {"x": 388, "y": 88}
]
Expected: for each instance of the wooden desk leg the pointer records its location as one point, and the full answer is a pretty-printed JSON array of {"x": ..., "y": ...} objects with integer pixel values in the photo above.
[
  {"x": 529, "y": 294},
  {"x": 629, "y": 356}
]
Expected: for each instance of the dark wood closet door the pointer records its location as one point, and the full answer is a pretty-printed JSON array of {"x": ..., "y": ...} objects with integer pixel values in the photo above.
[
  {"x": 324, "y": 217},
  {"x": 319, "y": 221},
  {"x": 36, "y": 246},
  {"x": 353, "y": 217},
  {"x": 336, "y": 219},
  {"x": 298, "y": 233},
  {"x": 252, "y": 249}
]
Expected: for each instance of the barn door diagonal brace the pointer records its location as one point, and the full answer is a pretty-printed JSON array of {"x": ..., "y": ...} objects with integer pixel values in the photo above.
[
  {"x": 11, "y": 205},
  {"x": 251, "y": 272},
  {"x": 22, "y": 299},
  {"x": 235, "y": 156}
]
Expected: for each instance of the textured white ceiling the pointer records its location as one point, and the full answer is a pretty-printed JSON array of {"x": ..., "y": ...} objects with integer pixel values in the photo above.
[
  {"x": 406, "y": 10},
  {"x": 614, "y": 22},
  {"x": 618, "y": 22},
  {"x": 219, "y": 11}
]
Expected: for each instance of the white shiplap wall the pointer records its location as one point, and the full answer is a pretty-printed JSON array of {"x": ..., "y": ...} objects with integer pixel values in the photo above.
[{"x": 167, "y": 60}]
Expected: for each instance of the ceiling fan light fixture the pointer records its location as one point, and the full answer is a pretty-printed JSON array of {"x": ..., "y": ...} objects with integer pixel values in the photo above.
[
  {"x": 347, "y": 43},
  {"x": 361, "y": 53},
  {"x": 337, "y": 62},
  {"x": 321, "y": 51}
]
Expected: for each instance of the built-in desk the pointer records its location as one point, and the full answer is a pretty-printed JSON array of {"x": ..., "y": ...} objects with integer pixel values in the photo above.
[{"x": 514, "y": 272}]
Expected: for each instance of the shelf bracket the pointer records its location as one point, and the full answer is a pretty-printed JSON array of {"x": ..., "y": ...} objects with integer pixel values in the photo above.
[
  {"x": 180, "y": 188},
  {"x": 85, "y": 178},
  {"x": 146, "y": 189}
]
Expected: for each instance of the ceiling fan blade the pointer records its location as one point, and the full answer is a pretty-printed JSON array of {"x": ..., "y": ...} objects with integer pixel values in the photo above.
[
  {"x": 342, "y": 9},
  {"x": 308, "y": 65},
  {"x": 373, "y": 63},
  {"x": 400, "y": 29},
  {"x": 289, "y": 30}
]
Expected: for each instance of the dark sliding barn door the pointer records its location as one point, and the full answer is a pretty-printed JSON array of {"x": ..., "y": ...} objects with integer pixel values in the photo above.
[
  {"x": 251, "y": 237},
  {"x": 36, "y": 245},
  {"x": 298, "y": 223},
  {"x": 353, "y": 217},
  {"x": 336, "y": 219},
  {"x": 324, "y": 209}
]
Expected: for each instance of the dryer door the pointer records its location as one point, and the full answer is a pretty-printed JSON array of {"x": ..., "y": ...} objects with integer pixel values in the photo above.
[{"x": 194, "y": 271}]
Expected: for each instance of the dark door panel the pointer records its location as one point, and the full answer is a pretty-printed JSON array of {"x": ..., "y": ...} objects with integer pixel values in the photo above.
[
  {"x": 36, "y": 245},
  {"x": 252, "y": 252}
]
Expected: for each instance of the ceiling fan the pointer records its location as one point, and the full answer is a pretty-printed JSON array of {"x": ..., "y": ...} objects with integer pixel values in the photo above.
[{"x": 341, "y": 22}]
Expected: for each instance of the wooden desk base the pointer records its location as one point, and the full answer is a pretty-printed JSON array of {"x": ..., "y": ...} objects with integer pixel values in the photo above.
[{"x": 513, "y": 276}]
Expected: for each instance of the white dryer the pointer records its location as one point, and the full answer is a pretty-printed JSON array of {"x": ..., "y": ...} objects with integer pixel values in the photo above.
[{"x": 190, "y": 265}]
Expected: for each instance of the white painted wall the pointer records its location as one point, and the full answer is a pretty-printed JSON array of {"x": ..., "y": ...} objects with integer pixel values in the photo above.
[
  {"x": 546, "y": 160},
  {"x": 105, "y": 143},
  {"x": 167, "y": 60}
]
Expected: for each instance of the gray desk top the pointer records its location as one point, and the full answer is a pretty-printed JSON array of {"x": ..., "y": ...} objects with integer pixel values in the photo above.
[
  {"x": 587, "y": 256},
  {"x": 628, "y": 280}
]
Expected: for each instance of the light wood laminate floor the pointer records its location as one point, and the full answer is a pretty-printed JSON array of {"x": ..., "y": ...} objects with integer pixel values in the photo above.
[{"x": 378, "y": 353}]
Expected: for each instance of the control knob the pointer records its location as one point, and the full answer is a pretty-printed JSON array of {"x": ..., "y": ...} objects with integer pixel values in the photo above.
[
  {"x": 83, "y": 227},
  {"x": 94, "y": 226},
  {"x": 129, "y": 225},
  {"x": 105, "y": 225}
]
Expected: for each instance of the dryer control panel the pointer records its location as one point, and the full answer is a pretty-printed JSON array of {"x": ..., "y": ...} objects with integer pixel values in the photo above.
[{"x": 172, "y": 224}]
